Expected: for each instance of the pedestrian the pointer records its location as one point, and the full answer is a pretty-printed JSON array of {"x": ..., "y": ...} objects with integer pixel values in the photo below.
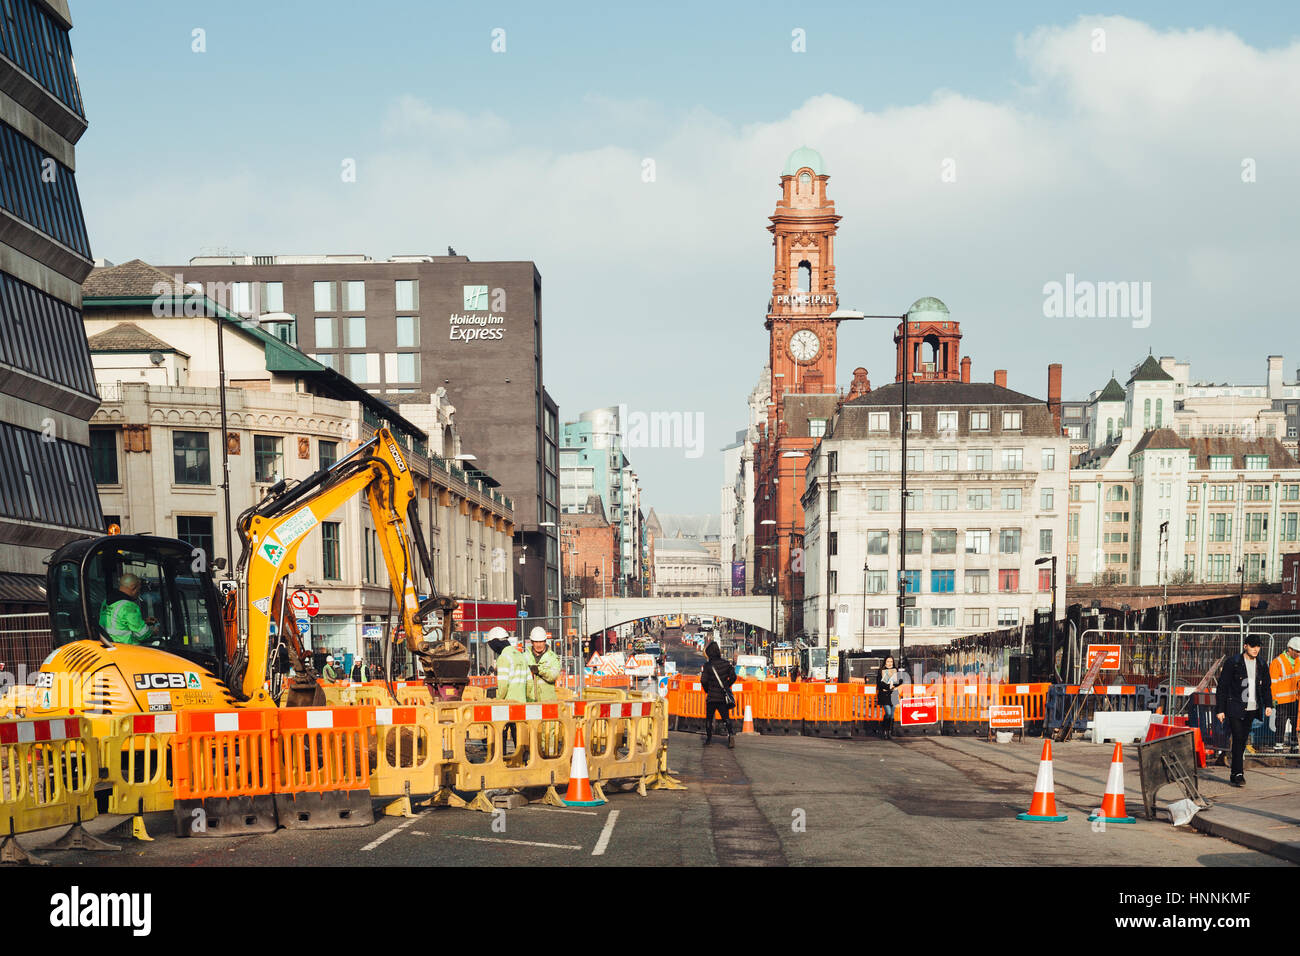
[
  {"x": 543, "y": 668},
  {"x": 1284, "y": 674},
  {"x": 887, "y": 682},
  {"x": 1244, "y": 693},
  {"x": 331, "y": 671},
  {"x": 716, "y": 679}
]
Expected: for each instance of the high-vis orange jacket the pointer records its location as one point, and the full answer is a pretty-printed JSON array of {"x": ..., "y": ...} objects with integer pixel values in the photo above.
[{"x": 1285, "y": 674}]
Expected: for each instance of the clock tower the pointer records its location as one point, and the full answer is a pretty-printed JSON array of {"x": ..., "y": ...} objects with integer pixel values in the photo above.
[{"x": 802, "y": 347}]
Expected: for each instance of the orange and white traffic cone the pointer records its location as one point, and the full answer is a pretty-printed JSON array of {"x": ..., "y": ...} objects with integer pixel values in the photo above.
[
  {"x": 580, "y": 793},
  {"x": 749, "y": 722},
  {"x": 1112, "y": 803},
  {"x": 1042, "y": 808}
]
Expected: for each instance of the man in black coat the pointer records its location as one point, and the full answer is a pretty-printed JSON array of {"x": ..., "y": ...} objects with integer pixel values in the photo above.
[
  {"x": 716, "y": 679},
  {"x": 1245, "y": 691}
]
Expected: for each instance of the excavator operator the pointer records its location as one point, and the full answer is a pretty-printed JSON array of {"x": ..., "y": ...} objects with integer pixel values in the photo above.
[{"x": 120, "y": 616}]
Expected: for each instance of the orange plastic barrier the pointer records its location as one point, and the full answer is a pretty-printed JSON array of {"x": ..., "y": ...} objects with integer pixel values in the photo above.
[
  {"x": 827, "y": 709},
  {"x": 321, "y": 767},
  {"x": 223, "y": 775},
  {"x": 1033, "y": 697}
]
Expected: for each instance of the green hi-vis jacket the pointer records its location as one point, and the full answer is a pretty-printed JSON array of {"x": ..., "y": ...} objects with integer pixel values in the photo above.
[
  {"x": 123, "y": 621},
  {"x": 542, "y": 687}
]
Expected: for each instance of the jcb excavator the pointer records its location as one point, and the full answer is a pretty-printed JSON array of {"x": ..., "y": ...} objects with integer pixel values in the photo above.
[{"x": 195, "y": 646}]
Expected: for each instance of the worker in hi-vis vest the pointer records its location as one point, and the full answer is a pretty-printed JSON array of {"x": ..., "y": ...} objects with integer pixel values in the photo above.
[
  {"x": 1284, "y": 671},
  {"x": 120, "y": 616}
]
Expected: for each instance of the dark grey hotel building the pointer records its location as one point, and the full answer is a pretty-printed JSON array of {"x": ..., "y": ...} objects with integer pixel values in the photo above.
[
  {"x": 408, "y": 326},
  {"x": 47, "y": 386}
]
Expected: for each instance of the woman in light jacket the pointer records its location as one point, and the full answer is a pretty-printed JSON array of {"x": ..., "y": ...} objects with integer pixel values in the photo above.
[{"x": 886, "y": 683}]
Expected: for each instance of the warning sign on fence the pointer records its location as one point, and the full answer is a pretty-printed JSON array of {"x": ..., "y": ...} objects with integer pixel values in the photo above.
[
  {"x": 918, "y": 710},
  {"x": 1109, "y": 654},
  {"x": 1003, "y": 717}
]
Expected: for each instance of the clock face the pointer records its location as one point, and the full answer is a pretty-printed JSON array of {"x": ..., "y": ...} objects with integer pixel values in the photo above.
[{"x": 804, "y": 345}]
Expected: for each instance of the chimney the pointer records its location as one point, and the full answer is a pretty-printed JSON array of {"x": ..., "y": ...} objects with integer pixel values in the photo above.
[
  {"x": 965, "y": 369},
  {"x": 1054, "y": 394},
  {"x": 1000, "y": 378}
]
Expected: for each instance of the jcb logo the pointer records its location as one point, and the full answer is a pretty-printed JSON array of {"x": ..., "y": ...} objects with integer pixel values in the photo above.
[
  {"x": 159, "y": 681},
  {"x": 397, "y": 457}
]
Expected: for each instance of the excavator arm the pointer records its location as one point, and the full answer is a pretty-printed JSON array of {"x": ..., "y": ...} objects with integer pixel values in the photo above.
[{"x": 273, "y": 530}]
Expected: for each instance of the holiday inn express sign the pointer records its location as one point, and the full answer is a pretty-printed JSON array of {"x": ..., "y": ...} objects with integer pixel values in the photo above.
[{"x": 478, "y": 323}]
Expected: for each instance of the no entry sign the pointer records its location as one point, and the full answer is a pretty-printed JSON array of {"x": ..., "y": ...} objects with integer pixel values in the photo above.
[
  {"x": 918, "y": 710},
  {"x": 313, "y": 605}
]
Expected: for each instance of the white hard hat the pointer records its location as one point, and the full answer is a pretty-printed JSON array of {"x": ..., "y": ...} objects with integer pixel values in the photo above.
[
  {"x": 538, "y": 634},
  {"x": 329, "y": 659},
  {"x": 1293, "y": 644},
  {"x": 498, "y": 634}
]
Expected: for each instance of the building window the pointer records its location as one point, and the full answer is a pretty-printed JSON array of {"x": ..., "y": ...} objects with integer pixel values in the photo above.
[
  {"x": 1220, "y": 463},
  {"x": 1049, "y": 459},
  {"x": 945, "y": 460},
  {"x": 1008, "y": 616},
  {"x": 1044, "y": 579},
  {"x": 913, "y": 421},
  {"x": 911, "y": 580},
  {"x": 980, "y": 459},
  {"x": 913, "y": 542},
  {"x": 325, "y": 333},
  {"x": 1046, "y": 499},
  {"x": 323, "y": 296},
  {"x": 1071, "y": 565},
  {"x": 1220, "y": 526},
  {"x": 946, "y": 423},
  {"x": 832, "y": 462},
  {"x": 912, "y": 617},
  {"x": 877, "y": 542},
  {"x": 1257, "y": 492},
  {"x": 816, "y": 427},
  {"x": 406, "y": 294},
  {"x": 1217, "y": 568},
  {"x": 1117, "y": 493},
  {"x": 833, "y": 543},
  {"x": 267, "y": 460},
  {"x": 1291, "y": 492},
  {"x": 943, "y": 616},
  {"x": 190, "y": 458},
  {"x": 1119, "y": 516},
  {"x": 103, "y": 455},
  {"x": 977, "y": 582},
  {"x": 1256, "y": 524},
  {"x": 329, "y": 537},
  {"x": 942, "y": 582},
  {"x": 362, "y": 367},
  {"x": 1074, "y": 492},
  {"x": 408, "y": 331},
  {"x": 354, "y": 296},
  {"x": 979, "y": 421},
  {"x": 979, "y": 499},
  {"x": 877, "y": 581},
  {"x": 327, "y": 453},
  {"x": 402, "y": 367},
  {"x": 1013, "y": 459},
  {"x": 1010, "y": 421},
  {"x": 1009, "y": 580},
  {"x": 977, "y": 542},
  {"x": 877, "y": 500},
  {"x": 945, "y": 499},
  {"x": 196, "y": 531},
  {"x": 1146, "y": 413},
  {"x": 878, "y": 461},
  {"x": 1287, "y": 522},
  {"x": 943, "y": 542},
  {"x": 1072, "y": 527},
  {"x": 832, "y": 582},
  {"x": 1044, "y": 540},
  {"x": 914, "y": 500},
  {"x": 273, "y": 296},
  {"x": 878, "y": 421},
  {"x": 832, "y": 501},
  {"x": 915, "y": 460},
  {"x": 1222, "y": 493},
  {"x": 977, "y": 617},
  {"x": 1009, "y": 541},
  {"x": 1257, "y": 462},
  {"x": 1011, "y": 499},
  {"x": 1191, "y": 527},
  {"x": 877, "y": 617},
  {"x": 1160, "y": 411},
  {"x": 356, "y": 332}
]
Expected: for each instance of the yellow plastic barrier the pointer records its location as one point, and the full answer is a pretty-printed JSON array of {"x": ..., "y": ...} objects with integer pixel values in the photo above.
[
  {"x": 48, "y": 770},
  {"x": 137, "y": 758},
  {"x": 407, "y": 753},
  {"x": 542, "y": 747}
]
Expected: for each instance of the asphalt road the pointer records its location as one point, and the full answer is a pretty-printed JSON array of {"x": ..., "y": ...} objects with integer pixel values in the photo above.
[{"x": 772, "y": 801}]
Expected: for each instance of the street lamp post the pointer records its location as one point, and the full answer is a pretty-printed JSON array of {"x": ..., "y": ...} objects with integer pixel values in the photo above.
[{"x": 1051, "y": 639}]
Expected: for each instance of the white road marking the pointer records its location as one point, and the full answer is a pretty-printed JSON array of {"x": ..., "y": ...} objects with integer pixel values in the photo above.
[
  {"x": 605, "y": 834},
  {"x": 391, "y": 833},
  {"x": 551, "y": 846},
  {"x": 585, "y": 813}
]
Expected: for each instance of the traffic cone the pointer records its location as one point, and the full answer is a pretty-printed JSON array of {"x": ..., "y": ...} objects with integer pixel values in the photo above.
[
  {"x": 1112, "y": 803},
  {"x": 749, "y": 722},
  {"x": 1042, "y": 808},
  {"x": 579, "y": 793}
]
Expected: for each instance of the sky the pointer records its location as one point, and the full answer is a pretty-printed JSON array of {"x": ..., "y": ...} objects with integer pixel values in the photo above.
[{"x": 634, "y": 153}]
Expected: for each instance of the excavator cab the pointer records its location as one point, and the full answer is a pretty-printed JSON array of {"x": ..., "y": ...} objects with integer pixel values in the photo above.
[{"x": 177, "y": 598}]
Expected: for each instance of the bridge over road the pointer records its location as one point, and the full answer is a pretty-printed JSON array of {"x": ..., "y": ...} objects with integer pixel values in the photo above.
[{"x": 602, "y": 613}]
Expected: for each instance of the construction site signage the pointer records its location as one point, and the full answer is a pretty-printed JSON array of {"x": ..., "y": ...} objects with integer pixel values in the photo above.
[
  {"x": 1004, "y": 717},
  {"x": 1109, "y": 654},
  {"x": 918, "y": 710}
]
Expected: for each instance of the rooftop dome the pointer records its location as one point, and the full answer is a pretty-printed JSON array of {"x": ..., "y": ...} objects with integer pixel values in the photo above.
[
  {"x": 927, "y": 304},
  {"x": 805, "y": 156}
]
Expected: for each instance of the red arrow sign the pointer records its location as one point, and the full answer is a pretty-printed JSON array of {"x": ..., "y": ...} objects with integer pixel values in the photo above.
[{"x": 918, "y": 710}]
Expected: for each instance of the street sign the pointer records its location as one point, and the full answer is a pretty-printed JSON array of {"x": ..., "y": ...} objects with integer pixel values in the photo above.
[
  {"x": 913, "y": 711},
  {"x": 304, "y": 627},
  {"x": 313, "y": 605},
  {"x": 1109, "y": 654},
  {"x": 1006, "y": 717},
  {"x": 523, "y": 613},
  {"x": 908, "y": 600},
  {"x": 299, "y": 600}
]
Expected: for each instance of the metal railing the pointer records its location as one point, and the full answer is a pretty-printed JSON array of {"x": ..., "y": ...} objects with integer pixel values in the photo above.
[{"x": 25, "y": 641}]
